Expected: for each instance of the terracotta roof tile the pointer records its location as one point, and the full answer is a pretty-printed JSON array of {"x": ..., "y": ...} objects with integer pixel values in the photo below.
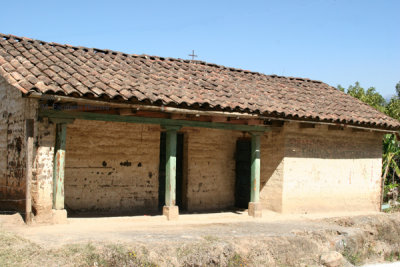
[{"x": 33, "y": 65}]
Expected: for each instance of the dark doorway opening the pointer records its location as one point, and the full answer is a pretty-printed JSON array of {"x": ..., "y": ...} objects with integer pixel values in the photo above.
[
  {"x": 243, "y": 173},
  {"x": 179, "y": 171}
]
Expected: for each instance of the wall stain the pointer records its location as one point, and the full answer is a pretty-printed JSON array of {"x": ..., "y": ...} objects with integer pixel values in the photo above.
[{"x": 126, "y": 163}]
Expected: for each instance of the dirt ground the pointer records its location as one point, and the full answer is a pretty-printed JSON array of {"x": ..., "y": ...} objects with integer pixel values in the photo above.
[{"x": 218, "y": 239}]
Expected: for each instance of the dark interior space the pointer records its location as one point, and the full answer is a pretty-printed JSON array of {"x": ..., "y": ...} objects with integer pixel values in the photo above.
[{"x": 243, "y": 173}]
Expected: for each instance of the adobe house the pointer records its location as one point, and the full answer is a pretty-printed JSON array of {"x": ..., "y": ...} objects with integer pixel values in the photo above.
[{"x": 96, "y": 131}]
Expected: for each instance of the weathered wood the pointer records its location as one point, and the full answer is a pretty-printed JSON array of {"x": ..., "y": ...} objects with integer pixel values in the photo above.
[
  {"x": 255, "y": 167},
  {"x": 116, "y": 104},
  {"x": 55, "y": 114},
  {"x": 170, "y": 170},
  {"x": 175, "y": 116},
  {"x": 219, "y": 119},
  {"x": 125, "y": 111},
  {"x": 61, "y": 120},
  {"x": 255, "y": 122},
  {"x": 59, "y": 166}
]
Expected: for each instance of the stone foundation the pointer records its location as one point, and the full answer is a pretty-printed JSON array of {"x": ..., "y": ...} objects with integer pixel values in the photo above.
[
  {"x": 171, "y": 212},
  {"x": 255, "y": 209}
]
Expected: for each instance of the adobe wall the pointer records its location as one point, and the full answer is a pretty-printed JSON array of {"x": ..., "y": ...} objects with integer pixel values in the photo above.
[
  {"x": 272, "y": 166},
  {"x": 331, "y": 170},
  {"x": 210, "y": 168},
  {"x": 13, "y": 111},
  {"x": 112, "y": 167}
]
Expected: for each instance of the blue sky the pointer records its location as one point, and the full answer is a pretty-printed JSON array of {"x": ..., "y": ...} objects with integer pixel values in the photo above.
[{"x": 338, "y": 42}]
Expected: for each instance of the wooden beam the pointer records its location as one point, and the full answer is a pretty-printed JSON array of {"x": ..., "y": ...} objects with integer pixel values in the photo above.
[
  {"x": 255, "y": 122},
  {"x": 151, "y": 114},
  {"x": 125, "y": 111},
  {"x": 61, "y": 120},
  {"x": 59, "y": 166},
  {"x": 55, "y": 114},
  {"x": 219, "y": 119},
  {"x": 175, "y": 116}
]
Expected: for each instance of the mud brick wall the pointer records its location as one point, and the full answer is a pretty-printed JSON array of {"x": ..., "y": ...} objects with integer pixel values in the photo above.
[
  {"x": 272, "y": 165},
  {"x": 210, "y": 168},
  {"x": 112, "y": 167},
  {"x": 331, "y": 170},
  {"x": 13, "y": 111}
]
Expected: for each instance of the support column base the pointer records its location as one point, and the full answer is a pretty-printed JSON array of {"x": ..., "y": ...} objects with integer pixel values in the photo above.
[
  {"x": 255, "y": 209},
  {"x": 59, "y": 216},
  {"x": 29, "y": 218},
  {"x": 171, "y": 212}
]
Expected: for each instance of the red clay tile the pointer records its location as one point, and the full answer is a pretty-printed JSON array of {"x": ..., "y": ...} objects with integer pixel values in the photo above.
[{"x": 54, "y": 68}]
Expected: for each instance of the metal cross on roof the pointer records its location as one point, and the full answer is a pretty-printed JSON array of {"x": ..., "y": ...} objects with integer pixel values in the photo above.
[{"x": 192, "y": 55}]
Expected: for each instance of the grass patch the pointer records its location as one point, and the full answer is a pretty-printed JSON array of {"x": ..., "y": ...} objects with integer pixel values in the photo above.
[
  {"x": 17, "y": 251},
  {"x": 236, "y": 261},
  {"x": 353, "y": 257},
  {"x": 392, "y": 209},
  {"x": 211, "y": 238},
  {"x": 392, "y": 256}
]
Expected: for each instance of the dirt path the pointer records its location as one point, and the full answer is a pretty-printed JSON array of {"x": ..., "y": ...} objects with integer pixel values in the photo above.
[
  {"x": 157, "y": 229},
  {"x": 223, "y": 239}
]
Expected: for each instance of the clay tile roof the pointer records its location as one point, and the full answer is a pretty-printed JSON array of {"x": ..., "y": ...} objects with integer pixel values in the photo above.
[{"x": 51, "y": 68}]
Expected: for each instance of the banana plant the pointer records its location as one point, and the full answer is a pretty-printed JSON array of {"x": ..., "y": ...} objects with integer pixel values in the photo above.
[{"x": 391, "y": 154}]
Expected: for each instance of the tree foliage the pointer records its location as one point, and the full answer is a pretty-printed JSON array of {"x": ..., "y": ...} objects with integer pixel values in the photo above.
[
  {"x": 369, "y": 96},
  {"x": 393, "y": 108}
]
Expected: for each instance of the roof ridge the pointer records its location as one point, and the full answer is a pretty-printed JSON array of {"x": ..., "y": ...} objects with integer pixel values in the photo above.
[{"x": 145, "y": 56}]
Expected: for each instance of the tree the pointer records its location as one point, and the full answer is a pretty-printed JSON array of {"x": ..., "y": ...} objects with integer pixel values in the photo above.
[
  {"x": 390, "y": 159},
  {"x": 393, "y": 107},
  {"x": 369, "y": 96}
]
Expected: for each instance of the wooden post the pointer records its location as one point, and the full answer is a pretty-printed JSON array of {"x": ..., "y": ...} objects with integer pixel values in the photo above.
[
  {"x": 59, "y": 164},
  {"x": 255, "y": 205},
  {"x": 170, "y": 210},
  {"x": 255, "y": 167},
  {"x": 170, "y": 175},
  {"x": 29, "y": 160}
]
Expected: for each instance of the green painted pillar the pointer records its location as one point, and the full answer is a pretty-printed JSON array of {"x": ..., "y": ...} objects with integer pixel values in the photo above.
[
  {"x": 255, "y": 167},
  {"x": 170, "y": 169},
  {"x": 58, "y": 167}
]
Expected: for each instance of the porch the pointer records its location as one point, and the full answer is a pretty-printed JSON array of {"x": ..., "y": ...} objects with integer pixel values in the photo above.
[{"x": 154, "y": 162}]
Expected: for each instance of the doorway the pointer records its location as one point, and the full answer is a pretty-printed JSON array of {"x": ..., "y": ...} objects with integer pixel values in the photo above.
[
  {"x": 179, "y": 170},
  {"x": 243, "y": 173}
]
